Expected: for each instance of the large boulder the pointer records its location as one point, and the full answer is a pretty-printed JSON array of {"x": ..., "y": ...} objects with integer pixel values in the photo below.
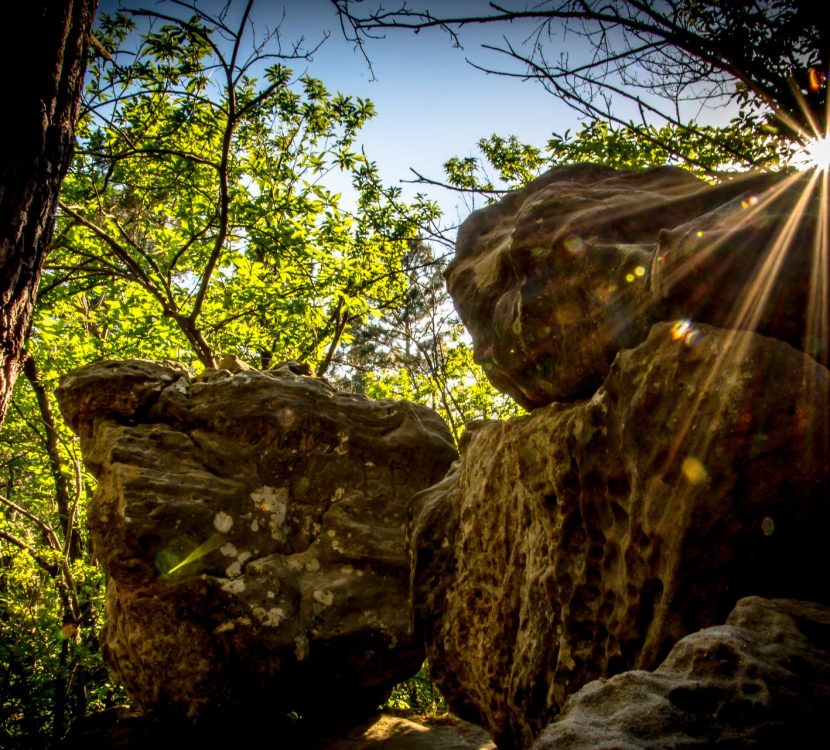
[
  {"x": 554, "y": 280},
  {"x": 585, "y": 539},
  {"x": 762, "y": 681},
  {"x": 252, "y": 529}
]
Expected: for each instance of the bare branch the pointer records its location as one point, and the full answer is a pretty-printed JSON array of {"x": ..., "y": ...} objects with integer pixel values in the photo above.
[
  {"x": 44, "y": 526},
  {"x": 680, "y": 50},
  {"x": 422, "y": 180}
]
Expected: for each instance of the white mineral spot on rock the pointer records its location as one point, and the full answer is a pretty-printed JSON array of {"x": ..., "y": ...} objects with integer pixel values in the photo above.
[
  {"x": 347, "y": 570},
  {"x": 301, "y": 647},
  {"x": 368, "y": 463},
  {"x": 342, "y": 447},
  {"x": 225, "y": 627},
  {"x": 255, "y": 525},
  {"x": 222, "y": 522},
  {"x": 274, "y": 502},
  {"x": 324, "y": 597},
  {"x": 234, "y": 586},
  {"x": 233, "y": 570},
  {"x": 338, "y": 494},
  {"x": 228, "y": 550},
  {"x": 269, "y": 594},
  {"x": 312, "y": 565},
  {"x": 295, "y": 565},
  {"x": 331, "y": 532},
  {"x": 263, "y": 498},
  {"x": 243, "y": 557},
  {"x": 270, "y": 618},
  {"x": 280, "y": 510}
]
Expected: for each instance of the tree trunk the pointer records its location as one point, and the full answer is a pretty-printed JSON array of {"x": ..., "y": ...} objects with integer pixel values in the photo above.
[{"x": 43, "y": 47}]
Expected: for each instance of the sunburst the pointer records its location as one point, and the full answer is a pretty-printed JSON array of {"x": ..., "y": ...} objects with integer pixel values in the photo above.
[{"x": 815, "y": 154}]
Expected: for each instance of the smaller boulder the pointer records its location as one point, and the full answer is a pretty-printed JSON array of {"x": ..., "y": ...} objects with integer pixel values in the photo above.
[{"x": 762, "y": 680}]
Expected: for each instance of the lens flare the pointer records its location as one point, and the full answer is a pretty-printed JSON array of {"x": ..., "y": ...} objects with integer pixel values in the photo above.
[
  {"x": 694, "y": 471},
  {"x": 166, "y": 560},
  {"x": 814, "y": 155}
]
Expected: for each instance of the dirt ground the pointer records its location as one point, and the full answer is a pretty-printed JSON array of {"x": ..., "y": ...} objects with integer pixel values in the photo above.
[{"x": 398, "y": 733}]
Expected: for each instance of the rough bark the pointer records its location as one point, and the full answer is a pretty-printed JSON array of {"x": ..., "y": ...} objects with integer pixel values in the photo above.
[{"x": 42, "y": 57}]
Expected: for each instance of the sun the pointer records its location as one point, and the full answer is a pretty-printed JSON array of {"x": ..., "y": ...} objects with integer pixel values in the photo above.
[{"x": 815, "y": 154}]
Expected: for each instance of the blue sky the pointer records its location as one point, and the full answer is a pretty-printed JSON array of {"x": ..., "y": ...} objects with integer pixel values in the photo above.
[{"x": 431, "y": 104}]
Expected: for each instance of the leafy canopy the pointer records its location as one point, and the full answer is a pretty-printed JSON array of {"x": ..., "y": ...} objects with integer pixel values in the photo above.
[{"x": 200, "y": 208}]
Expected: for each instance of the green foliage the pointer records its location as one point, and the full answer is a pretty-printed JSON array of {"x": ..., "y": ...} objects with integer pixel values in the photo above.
[
  {"x": 417, "y": 350},
  {"x": 418, "y": 694},
  {"x": 704, "y": 150},
  {"x": 205, "y": 200},
  {"x": 50, "y": 589},
  {"x": 710, "y": 152}
]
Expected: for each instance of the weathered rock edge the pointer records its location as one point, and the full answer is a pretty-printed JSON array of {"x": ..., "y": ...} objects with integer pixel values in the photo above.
[
  {"x": 252, "y": 529},
  {"x": 762, "y": 680},
  {"x": 697, "y": 474}
]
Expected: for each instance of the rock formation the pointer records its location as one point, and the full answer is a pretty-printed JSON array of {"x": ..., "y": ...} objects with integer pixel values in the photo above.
[
  {"x": 671, "y": 339},
  {"x": 670, "y": 466},
  {"x": 252, "y": 528},
  {"x": 556, "y": 279},
  {"x": 761, "y": 680}
]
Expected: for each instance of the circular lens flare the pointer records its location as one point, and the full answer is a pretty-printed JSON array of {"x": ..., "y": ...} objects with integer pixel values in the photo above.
[{"x": 815, "y": 154}]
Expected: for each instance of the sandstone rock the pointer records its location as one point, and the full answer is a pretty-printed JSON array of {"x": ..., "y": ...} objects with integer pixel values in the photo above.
[
  {"x": 558, "y": 277},
  {"x": 762, "y": 680},
  {"x": 252, "y": 527},
  {"x": 585, "y": 539}
]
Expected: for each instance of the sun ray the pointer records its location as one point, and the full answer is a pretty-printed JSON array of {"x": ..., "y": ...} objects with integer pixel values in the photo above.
[{"x": 746, "y": 315}]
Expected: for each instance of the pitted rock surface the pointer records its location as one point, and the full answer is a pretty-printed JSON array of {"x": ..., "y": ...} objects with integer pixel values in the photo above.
[
  {"x": 252, "y": 527},
  {"x": 585, "y": 539},
  {"x": 554, "y": 280},
  {"x": 762, "y": 680}
]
